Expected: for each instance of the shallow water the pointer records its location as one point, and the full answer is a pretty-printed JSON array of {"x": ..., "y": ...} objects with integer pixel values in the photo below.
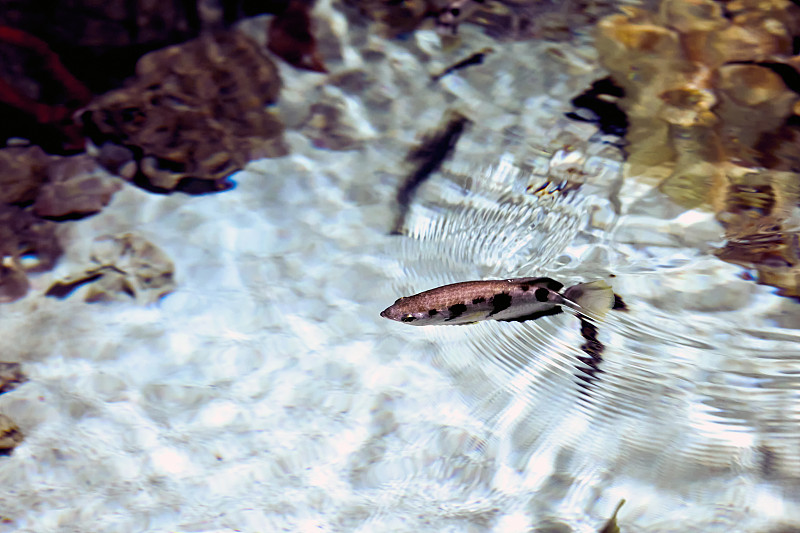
[
  {"x": 266, "y": 393},
  {"x": 685, "y": 408}
]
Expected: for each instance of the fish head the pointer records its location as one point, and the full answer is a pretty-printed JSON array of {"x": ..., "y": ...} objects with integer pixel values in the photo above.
[{"x": 406, "y": 311}]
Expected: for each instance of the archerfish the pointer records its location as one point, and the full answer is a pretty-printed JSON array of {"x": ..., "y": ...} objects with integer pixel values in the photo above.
[{"x": 508, "y": 300}]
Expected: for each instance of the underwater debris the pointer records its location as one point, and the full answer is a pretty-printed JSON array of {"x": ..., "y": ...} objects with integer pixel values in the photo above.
[
  {"x": 611, "y": 526},
  {"x": 710, "y": 94},
  {"x": 193, "y": 115},
  {"x": 11, "y": 376},
  {"x": 427, "y": 157},
  {"x": 126, "y": 267},
  {"x": 10, "y": 435}
]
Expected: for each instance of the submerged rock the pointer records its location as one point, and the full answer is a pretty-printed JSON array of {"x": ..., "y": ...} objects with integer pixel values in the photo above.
[
  {"x": 27, "y": 244},
  {"x": 123, "y": 268},
  {"x": 194, "y": 114},
  {"x": 11, "y": 376},
  {"x": 75, "y": 187},
  {"x": 22, "y": 172},
  {"x": 711, "y": 99},
  {"x": 38, "y": 186},
  {"x": 502, "y": 19},
  {"x": 291, "y": 38},
  {"x": 10, "y": 435}
]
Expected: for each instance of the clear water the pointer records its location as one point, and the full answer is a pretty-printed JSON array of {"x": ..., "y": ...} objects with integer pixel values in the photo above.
[
  {"x": 694, "y": 404},
  {"x": 266, "y": 394}
]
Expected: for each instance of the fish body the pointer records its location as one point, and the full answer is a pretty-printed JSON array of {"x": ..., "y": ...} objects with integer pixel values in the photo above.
[{"x": 517, "y": 299}]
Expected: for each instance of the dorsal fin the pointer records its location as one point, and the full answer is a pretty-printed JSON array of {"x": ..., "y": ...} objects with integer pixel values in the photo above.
[{"x": 551, "y": 284}]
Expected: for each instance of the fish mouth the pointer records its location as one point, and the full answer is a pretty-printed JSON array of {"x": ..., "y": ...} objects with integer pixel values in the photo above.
[{"x": 385, "y": 313}]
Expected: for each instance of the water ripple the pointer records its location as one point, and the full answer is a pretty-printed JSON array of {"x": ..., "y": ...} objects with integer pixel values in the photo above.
[{"x": 695, "y": 383}]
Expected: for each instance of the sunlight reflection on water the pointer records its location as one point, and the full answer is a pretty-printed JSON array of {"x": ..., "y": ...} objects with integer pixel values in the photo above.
[{"x": 695, "y": 386}]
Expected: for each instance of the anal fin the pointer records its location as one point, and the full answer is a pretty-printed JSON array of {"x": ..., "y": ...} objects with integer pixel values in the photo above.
[{"x": 533, "y": 316}]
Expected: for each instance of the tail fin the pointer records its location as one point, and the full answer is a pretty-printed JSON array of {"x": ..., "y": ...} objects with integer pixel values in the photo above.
[{"x": 594, "y": 298}]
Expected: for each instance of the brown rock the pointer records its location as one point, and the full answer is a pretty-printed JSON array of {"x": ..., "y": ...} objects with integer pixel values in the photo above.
[
  {"x": 11, "y": 376},
  {"x": 13, "y": 282},
  {"x": 27, "y": 240},
  {"x": 22, "y": 171},
  {"x": 76, "y": 187},
  {"x": 291, "y": 39},
  {"x": 10, "y": 435},
  {"x": 194, "y": 114},
  {"x": 328, "y": 127},
  {"x": 123, "y": 268},
  {"x": 711, "y": 100}
]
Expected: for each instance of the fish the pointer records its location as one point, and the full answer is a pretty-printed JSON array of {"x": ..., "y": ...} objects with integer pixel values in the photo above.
[
  {"x": 505, "y": 300},
  {"x": 454, "y": 13},
  {"x": 474, "y": 59}
]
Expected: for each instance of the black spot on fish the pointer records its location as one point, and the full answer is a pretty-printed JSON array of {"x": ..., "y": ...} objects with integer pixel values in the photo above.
[
  {"x": 408, "y": 318},
  {"x": 478, "y": 300},
  {"x": 619, "y": 304},
  {"x": 456, "y": 311},
  {"x": 533, "y": 316},
  {"x": 541, "y": 294},
  {"x": 525, "y": 288},
  {"x": 500, "y": 302},
  {"x": 433, "y": 312}
]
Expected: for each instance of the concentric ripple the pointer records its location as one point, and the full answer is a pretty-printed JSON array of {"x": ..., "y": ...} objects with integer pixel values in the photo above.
[{"x": 695, "y": 386}]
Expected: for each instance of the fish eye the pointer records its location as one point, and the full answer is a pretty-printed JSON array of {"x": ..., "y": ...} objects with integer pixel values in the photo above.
[{"x": 408, "y": 318}]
